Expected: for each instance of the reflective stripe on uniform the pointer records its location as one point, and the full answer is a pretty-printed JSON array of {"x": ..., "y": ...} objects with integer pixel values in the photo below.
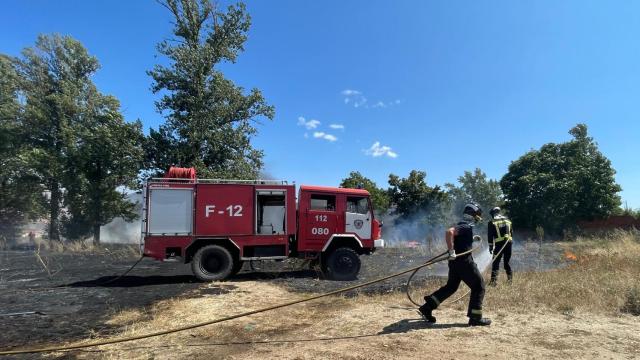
[
  {"x": 500, "y": 223},
  {"x": 476, "y": 312},
  {"x": 435, "y": 299}
]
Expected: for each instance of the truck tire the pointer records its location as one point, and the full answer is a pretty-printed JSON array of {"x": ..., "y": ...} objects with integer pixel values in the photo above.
[
  {"x": 237, "y": 266},
  {"x": 342, "y": 264},
  {"x": 212, "y": 262}
]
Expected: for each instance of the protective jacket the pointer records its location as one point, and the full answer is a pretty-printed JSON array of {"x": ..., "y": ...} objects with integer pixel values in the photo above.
[
  {"x": 499, "y": 229},
  {"x": 500, "y": 234}
]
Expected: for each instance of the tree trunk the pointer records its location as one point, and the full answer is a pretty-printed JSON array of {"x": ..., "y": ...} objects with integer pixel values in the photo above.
[
  {"x": 97, "y": 203},
  {"x": 96, "y": 234},
  {"x": 54, "y": 212}
]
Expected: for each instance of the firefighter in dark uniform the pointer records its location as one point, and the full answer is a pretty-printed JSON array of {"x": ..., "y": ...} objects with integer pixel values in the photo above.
[
  {"x": 500, "y": 236},
  {"x": 461, "y": 268}
]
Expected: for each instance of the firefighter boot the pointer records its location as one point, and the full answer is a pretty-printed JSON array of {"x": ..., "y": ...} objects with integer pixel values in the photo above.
[
  {"x": 493, "y": 282},
  {"x": 509, "y": 279},
  {"x": 425, "y": 312},
  {"x": 479, "y": 321}
]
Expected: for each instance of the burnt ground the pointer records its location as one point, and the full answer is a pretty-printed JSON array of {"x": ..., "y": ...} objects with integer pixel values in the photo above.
[
  {"x": 525, "y": 257},
  {"x": 75, "y": 300},
  {"x": 79, "y": 292}
]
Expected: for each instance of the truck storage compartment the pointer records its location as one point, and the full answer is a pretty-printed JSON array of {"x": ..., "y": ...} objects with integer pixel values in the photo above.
[
  {"x": 170, "y": 211},
  {"x": 264, "y": 251},
  {"x": 270, "y": 212}
]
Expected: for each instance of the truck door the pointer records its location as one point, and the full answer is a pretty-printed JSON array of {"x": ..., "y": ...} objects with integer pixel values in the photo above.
[
  {"x": 358, "y": 217},
  {"x": 321, "y": 221}
]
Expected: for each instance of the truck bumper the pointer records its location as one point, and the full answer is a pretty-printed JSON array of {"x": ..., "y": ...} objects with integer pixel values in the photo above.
[{"x": 379, "y": 243}]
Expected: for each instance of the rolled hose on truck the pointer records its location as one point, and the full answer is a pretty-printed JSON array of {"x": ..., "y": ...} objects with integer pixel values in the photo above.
[{"x": 57, "y": 348}]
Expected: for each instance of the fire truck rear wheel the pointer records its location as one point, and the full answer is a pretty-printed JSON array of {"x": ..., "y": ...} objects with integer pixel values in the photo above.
[
  {"x": 212, "y": 262},
  {"x": 342, "y": 264},
  {"x": 237, "y": 266}
]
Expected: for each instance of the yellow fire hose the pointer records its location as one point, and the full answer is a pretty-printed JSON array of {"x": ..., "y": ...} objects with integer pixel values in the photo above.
[{"x": 429, "y": 262}]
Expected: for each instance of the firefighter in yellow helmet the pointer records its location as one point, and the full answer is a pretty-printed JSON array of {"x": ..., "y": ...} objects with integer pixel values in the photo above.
[{"x": 500, "y": 237}]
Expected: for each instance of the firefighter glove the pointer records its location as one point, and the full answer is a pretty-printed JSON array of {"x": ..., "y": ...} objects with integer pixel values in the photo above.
[{"x": 452, "y": 254}]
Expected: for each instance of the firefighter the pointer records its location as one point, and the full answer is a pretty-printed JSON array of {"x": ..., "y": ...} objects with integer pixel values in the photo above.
[
  {"x": 500, "y": 236},
  {"x": 461, "y": 268}
]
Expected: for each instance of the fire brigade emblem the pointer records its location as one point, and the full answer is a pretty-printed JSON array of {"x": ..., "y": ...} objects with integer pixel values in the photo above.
[{"x": 358, "y": 224}]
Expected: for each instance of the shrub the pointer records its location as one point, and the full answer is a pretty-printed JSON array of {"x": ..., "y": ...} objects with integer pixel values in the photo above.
[{"x": 632, "y": 305}]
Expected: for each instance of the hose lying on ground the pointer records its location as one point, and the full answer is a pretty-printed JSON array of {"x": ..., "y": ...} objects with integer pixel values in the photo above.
[
  {"x": 431, "y": 261},
  {"x": 121, "y": 275}
]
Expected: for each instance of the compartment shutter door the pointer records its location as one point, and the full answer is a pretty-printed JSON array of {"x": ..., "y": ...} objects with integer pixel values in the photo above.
[{"x": 170, "y": 211}]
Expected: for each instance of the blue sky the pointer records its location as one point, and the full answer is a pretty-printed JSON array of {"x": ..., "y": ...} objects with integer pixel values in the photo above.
[{"x": 439, "y": 86}]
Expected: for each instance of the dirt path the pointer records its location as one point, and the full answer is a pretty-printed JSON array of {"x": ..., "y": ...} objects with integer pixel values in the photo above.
[{"x": 365, "y": 328}]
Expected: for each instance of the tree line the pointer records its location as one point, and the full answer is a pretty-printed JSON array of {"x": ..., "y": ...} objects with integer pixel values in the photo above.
[
  {"x": 553, "y": 187},
  {"x": 68, "y": 154}
]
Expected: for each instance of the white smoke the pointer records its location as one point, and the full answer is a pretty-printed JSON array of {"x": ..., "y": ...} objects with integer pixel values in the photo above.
[
  {"x": 429, "y": 237},
  {"x": 409, "y": 232},
  {"x": 121, "y": 231}
]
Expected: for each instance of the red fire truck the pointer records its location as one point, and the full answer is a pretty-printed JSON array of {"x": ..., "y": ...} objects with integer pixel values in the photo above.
[{"x": 217, "y": 225}]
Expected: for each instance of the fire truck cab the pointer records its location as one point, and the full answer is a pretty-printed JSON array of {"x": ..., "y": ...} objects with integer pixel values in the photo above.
[{"x": 217, "y": 225}]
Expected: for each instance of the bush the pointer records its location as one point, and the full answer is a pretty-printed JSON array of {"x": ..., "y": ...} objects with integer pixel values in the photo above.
[{"x": 632, "y": 305}]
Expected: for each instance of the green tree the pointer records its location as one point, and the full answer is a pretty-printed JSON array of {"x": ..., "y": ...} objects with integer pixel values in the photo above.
[
  {"x": 560, "y": 184},
  {"x": 103, "y": 168},
  {"x": 79, "y": 146},
  {"x": 379, "y": 197},
  {"x": 20, "y": 190},
  {"x": 415, "y": 200},
  {"x": 477, "y": 188},
  {"x": 209, "y": 120},
  {"x": 55, "y": 81}
]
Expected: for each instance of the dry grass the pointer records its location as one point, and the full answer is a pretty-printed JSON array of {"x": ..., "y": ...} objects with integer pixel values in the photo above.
[
  {"x": 46, "y": 245},
  {"x": 47, "y": 253},
  {"x": 87, "y": 247},
  {"x": 248, "y": 296},
  {"x": 127, "y": 317},
  {"x": 603, "y": 277}
]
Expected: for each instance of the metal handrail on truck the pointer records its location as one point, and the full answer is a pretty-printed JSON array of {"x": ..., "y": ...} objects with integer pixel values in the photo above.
[{"x": 217, "y": 181}]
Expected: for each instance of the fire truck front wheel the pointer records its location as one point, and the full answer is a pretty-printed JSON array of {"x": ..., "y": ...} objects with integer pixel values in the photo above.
[
  {"x": 342, "y": 264},
  {"x": 212, "y": 262}
]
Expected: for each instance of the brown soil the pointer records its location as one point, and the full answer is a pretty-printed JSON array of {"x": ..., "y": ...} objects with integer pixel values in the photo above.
[{"x": 381, "y": 327}]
